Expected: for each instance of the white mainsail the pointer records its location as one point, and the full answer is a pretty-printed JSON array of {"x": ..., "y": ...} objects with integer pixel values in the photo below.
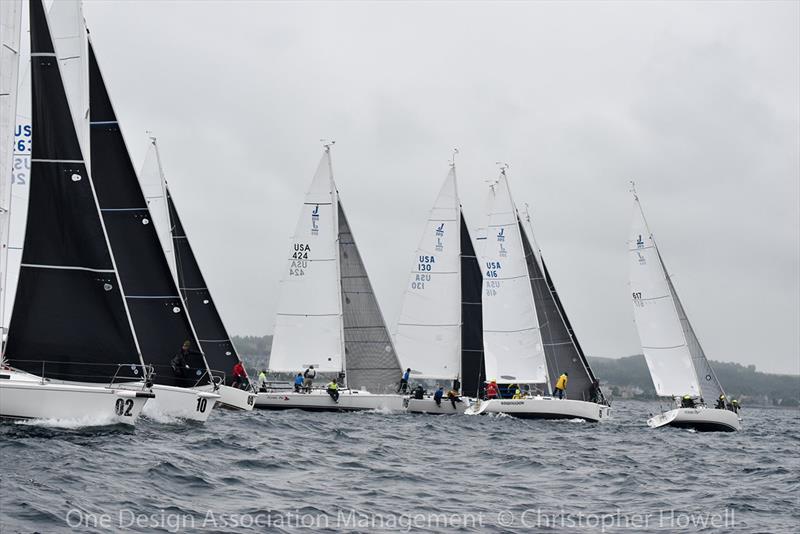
[
  {"x": 428, "y": 336},
  {"x": 308, "y": 327},
  {"x": 660, "y": 332},
  {"x": 10, "y": 29},
  {"x": 513, "y": 348}
]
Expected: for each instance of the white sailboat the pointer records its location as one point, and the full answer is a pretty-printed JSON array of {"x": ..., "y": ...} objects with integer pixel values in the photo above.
[
  {"x": 528, "y": 341},
  {"x": 678, "y": 366},
  {"x": 439, "y": 334},
  {"x": 328, "y": 315},
  {"x": 206, "y": 319},
  {"x": 32, "y": 384}
]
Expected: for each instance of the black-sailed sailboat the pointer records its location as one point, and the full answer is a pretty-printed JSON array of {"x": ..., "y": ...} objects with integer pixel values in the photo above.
[{"x": 71, "y": 352}]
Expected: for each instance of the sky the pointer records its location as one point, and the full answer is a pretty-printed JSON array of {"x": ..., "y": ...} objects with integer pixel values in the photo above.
[{"x": 699, "y": 103}]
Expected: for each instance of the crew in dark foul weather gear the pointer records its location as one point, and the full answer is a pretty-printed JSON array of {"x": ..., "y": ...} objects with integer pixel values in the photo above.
[
  {"x": 453, "y": 397},
  {"x": 419, "y": 392},
  {"x": 437, "y": 397},
  {"x": 404, "y": 381},
  {"x": 720, "y": 403},
  {"x": 180, "y": 362},
  {"x": 687, "y": 402},
  {"x": 735, "y": 406},
  {"x": 561, "y": 385},
  {"x": 333, "y": 390},
  {"x": 298, "y": 383}
]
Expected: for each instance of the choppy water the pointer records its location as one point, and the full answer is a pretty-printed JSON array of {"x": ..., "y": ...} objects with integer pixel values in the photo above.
[{"x": 294, "y": 471}]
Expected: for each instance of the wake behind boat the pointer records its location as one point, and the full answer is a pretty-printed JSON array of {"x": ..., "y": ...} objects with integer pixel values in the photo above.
[
  {"x": 328, "y": 316},
  {"x": 528, "y": 340},
  {"x": 676, "y": 360}
]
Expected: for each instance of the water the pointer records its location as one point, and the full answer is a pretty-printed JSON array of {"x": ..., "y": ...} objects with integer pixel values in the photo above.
[{"x": 294, "y": 471}]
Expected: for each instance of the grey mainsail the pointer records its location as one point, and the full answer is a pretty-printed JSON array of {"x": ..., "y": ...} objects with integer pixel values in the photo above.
[{"x": 370, "y": 359}]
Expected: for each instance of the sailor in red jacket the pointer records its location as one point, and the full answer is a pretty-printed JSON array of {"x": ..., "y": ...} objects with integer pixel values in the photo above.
[
  {"x": 239, "y": 375},
  {"x": 491, "y": 390}
]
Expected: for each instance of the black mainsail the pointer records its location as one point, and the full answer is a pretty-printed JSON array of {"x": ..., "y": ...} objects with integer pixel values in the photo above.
[
  {"x": 217, "y": 346},
  {"x": 156, "y": 307},
  {"x": 69, "y": 309},
  {"x": 561, "y": 348},
  {"x": 371, "y": 360},
  {"x": 473, "y": 372}
]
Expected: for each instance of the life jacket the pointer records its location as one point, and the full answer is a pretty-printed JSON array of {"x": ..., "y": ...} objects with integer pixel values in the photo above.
[
  {"x": 333, "y": 385},
  {"x": 562, "y": 382}
]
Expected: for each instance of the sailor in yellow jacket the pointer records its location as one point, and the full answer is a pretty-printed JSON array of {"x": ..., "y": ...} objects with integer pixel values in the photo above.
[{"x": 561, "y": 385}]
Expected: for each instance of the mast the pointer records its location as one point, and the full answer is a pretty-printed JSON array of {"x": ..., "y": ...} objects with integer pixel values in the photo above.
[
  {"x": 157, "y": 309},
  {"x": 69, "y": 307},
  {"x": 10, "y": 28},
  {"x": 327, "y": 144}
]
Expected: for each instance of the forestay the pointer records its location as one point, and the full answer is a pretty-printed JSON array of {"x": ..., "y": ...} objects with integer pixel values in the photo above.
[
  {"x": 308, "y": 328},
  {"x": 513, "y": 349},
  {"x": 429, "y": 330},
  {"x": 660, "y": 332}
]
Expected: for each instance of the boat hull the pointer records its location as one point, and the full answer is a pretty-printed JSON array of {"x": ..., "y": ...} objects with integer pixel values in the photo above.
[
  {"x": 233, "y": 398},
  {"x": 319, "y": 400},
  {"x": 701, "y": 419},
  {"x": 192, "y": 404},
  {"x": 542, "y": 408},
  {"x": 24, "y": 396},
  {"x": 428, "y": 406}
]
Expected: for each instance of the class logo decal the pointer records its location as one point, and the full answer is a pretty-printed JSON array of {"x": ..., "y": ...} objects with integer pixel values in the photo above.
[
  {"x": 503, "y": 252},
  {"x": 639, "y": 242},
  {"x": 439, "y": 236},
  {"x": 315, "y": 220},
  {"x": 501, "y": 235}
]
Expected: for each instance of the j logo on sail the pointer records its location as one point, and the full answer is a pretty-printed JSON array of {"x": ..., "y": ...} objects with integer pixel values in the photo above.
[
  {"x": 639, "y": 242},
  {"x": 315, "y": 220},
  {"x": 501, "y": 236}
]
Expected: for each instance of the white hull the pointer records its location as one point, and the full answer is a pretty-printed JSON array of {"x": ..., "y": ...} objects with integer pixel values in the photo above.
[
  {"x": 234, "y": 398},
  {"x": 542, "y": 408},
  {"x": 701, "y": 419},
  {"x": 428, "y": 406},
  {"x": 171, "y": 402},
  {"x": 319, "y": 400},
  {"x": 24, "y": 396}
]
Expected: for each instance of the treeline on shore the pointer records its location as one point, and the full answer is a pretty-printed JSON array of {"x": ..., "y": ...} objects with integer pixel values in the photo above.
[{"x": 625, "y": 377}]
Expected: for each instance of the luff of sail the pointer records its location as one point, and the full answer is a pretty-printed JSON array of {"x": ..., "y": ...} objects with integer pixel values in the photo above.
[
  {"x": 561, "y": 347},
  {"x": 156, "y": 307},
  {"x": 429, "y": 330},
  {"x": 513, "y": 350},
  {"x": 308, "y": 324},
  {"x": 69, "y": 307},
  {"x": 660, "y": 332},
  {"x": 371, "y": 360}
]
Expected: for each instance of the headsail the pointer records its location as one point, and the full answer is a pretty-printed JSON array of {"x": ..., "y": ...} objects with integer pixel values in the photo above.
[
  {"x": 473, "y": 374},
  {"x": 308, "y": 326},
  {"x": 69, "y": 306},
  {"x": 157, "y": 309},
  {"x": 660, "y": 331},
  {"x": 371, "y": 361},
  {"x": 561, "y": 347},
  {"x": 10, "y": 29},
  {"x": 429, "y": 330},
  {"x": 513, "y": 349}
]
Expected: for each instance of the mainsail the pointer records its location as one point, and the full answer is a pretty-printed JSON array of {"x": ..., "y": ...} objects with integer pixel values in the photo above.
[
  {"x": 660, "y": 328},
  {"x": 10, "y": 28},
  {"x": 513, "y": 349},
  {"x": 561, "y": 347},
  {"x": 440, "y": 333},
  {"x": 69, "y": 306},
  {"x": 158, "y": 312}
]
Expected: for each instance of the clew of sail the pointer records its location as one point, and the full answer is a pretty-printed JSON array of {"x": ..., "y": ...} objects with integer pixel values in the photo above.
[
  {"x": 660, "y": 331},
  {"x": 308, "y": 326},
  {"x": 513, "y": 349},
  {"x": 429, "y": 330}
]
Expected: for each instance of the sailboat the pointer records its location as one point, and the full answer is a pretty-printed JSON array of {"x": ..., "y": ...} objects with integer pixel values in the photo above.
[
  {"x": 328, "y": 315},
  {"x": 528, "y": 340},
  {"x": 204, "y": 315},
  {"x": 676, "y": 360},
  {"x": 440, "y": 333},
  {"x": 70, "y": 351}
]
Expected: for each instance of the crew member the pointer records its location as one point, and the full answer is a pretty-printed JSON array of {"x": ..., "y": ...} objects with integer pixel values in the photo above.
[
  {"x": 453, "y": 397},
  {"x": 404, "y": 381},
  {"x": 239, "y": 376},
  {"x": 437, "y": 397},
  {"x": 309, "y": 375},
  {"x": 491, "y": 390},
  {"x": 262, "y": 380},
  {"x": 333, "y": 390},
  {"x": 298, "y": 383},
  {"x": 720, "y": 403},
  {"x": 561, "y": 385},
  {"x": 180, "y": 362}
]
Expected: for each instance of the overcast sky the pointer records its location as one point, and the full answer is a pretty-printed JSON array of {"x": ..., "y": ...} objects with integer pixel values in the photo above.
[{"x": 698, "y": 102}]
